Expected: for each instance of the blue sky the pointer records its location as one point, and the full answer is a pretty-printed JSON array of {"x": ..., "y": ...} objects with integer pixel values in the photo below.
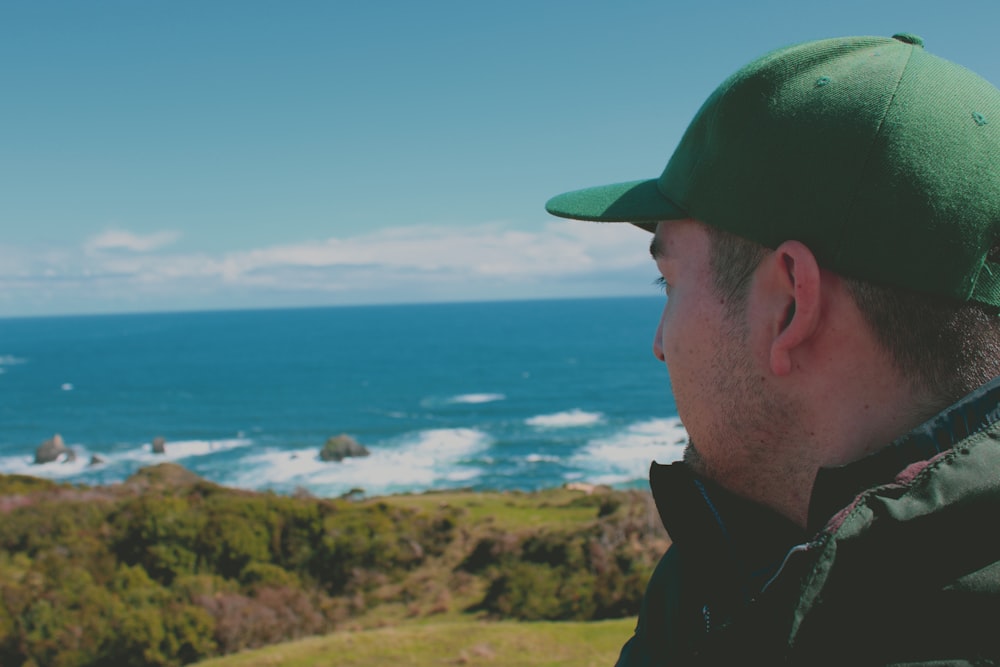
[{"x": 179, "y": 155}]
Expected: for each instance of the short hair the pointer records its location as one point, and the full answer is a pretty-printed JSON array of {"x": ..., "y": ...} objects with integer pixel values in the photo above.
[
  {"x": 945, "y": 348},
  {"x": 732, "y": 261}
]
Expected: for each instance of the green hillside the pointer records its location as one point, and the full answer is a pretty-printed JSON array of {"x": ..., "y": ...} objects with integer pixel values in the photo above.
[{"x": 168, "y": 569}]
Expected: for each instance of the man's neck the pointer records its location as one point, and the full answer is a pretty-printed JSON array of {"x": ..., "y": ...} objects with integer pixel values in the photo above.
[{"x": 818, "y": 434}]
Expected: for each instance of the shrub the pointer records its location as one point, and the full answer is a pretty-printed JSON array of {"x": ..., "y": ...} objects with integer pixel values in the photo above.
[
  {"x": 161, "y": 534},
  {"x": 274, "y": 615},
  {"x": 363, "y": 546},
  {"x": 235, "y": 532},
  {"x": 256, "y": 576}
]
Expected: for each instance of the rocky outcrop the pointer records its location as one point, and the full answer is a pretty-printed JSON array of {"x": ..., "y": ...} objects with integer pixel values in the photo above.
[
  {"x": 52, "y": 450},
  {"x": 357, "y": 493},
  {"x": 159, "y": 445},
  {"x": 164, "y": 476},
  {"x": 340, "y": 447}
]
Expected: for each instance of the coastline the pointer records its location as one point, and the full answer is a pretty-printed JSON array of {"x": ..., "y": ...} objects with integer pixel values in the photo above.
[{"x": 513, "y": 395}]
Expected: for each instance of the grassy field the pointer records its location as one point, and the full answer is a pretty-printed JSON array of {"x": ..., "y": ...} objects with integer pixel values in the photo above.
[
  {"x": 511, "y": 510},
  {"x": 458, "y": 642}
]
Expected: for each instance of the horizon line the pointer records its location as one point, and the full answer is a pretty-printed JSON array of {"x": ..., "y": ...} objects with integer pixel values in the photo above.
[{"x": 387, "y": 304}]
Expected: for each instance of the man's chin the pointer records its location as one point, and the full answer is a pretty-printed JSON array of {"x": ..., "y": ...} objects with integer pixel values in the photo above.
[{"x": 692, "y": 458}]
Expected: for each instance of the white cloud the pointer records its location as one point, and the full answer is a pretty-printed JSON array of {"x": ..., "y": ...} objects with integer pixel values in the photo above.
[
  {"x": 475, "y": 251},
  {"x": 484, "y": 250},
  {"x": 119, "y": 239},
  {"x": 122, "y": 270}
]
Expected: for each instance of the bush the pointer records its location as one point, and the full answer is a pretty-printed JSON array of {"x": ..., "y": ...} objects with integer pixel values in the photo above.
[
  {"x": 63, "y": 618},
  {"x": 595, "y": 573},
  {"x": 256, "y": 576},
  {"x": 160, "y": 534},
  {"x": 236, "y": 532},
  {"x": 362, "y": 547},
  {"x": 274, "y": 614}
]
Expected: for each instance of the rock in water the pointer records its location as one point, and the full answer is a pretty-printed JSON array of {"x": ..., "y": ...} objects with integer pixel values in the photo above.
[
  {"x": 159, "y": 445},
  {"x": 52, "y": 449},
  {"x": 339, "y": 447}
]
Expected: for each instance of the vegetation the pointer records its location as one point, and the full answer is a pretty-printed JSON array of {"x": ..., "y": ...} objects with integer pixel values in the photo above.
[
  {"x": 460, "y": 642},
  {"x": 169, "y": 569}
]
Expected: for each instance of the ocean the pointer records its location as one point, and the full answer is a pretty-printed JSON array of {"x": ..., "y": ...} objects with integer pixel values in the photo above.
[{"x": 499, "y": 396}]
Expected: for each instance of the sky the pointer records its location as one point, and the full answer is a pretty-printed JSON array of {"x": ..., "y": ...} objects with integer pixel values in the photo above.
[{"x": 160, "y": 155}]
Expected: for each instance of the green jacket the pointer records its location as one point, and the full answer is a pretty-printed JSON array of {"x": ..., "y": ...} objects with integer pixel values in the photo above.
[{"x": 907, "y": 572}]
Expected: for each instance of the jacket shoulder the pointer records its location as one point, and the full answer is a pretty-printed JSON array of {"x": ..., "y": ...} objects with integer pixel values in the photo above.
[{"x": 912, "y": 568}]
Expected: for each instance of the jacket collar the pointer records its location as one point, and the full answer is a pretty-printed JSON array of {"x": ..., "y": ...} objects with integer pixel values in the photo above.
[
  {"x": 735, "y": 539},
  {"x": 837, "y": 486}
]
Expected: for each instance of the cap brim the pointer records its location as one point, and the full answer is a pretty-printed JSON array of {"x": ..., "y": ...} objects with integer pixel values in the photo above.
[{"x": 636, "y": 202}]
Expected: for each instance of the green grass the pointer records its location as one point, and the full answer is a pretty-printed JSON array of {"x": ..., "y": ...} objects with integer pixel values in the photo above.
[
  {"x": 511, "y": 510},
  {"x": 461, "y": 642},
  {"x": 17, "y": 484}
]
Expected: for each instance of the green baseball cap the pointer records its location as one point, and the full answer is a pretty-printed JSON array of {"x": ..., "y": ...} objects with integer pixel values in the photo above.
[{"x": 882, "y": 158}]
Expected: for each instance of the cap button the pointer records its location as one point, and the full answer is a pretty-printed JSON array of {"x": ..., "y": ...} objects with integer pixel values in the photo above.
[{"x": 908, "y": 38}]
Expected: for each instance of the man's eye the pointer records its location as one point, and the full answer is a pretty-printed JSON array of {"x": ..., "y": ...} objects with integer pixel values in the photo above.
[{"x": 663, "y": 284}]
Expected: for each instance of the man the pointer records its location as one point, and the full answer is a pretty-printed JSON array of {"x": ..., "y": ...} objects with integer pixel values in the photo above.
[{"x": 827, "y": 234}]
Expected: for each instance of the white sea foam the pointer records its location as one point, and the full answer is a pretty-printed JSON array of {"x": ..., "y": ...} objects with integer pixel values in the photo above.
[
  {"x": 463, "y": 475},
  {"x": 542, "y": 458},
  {"x": 625, "y": 456},
  {"x": 58, "y": 469},
  {"x": 126, "y": 460},
  {"x": 10, "y": 360},
  {"x": 176, "y": 450},
  {"x": 476, "y": 398},
  {"x": 421, "y": 460},
  {"x": 23, "y": 465},
  {"x": 569, "y": 418},
  {"x": 450, "y": 442}
]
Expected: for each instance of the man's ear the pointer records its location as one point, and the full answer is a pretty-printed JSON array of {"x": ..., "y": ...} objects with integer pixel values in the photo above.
[{"x": 792, "y": 279}]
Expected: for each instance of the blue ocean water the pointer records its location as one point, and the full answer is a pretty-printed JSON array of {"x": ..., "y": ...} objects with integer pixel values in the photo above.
[{"x": 510, "y": 395}]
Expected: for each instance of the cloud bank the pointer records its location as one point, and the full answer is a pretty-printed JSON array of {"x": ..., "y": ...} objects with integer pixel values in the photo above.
[
  {"x": 118, "y": 270},
  {"x": 119, "y": 239}
]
